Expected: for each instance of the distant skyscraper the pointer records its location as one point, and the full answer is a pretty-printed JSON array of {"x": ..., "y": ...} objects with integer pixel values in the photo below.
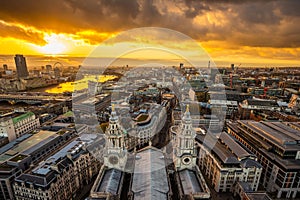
[
  {"x": 56, "y": 72},
  {"x": 21, "y": 66},
  {"x": 5, "y": 67},
  {"x": 232, "y": 67},
  {"x": 48, "y": 68},
  {"x": 181, "y": 66}
]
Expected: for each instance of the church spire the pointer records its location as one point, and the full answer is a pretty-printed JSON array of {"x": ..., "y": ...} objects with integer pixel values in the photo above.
[
  {"x": 186, "y": 122},
  {"x": 116, "y": 155},
  {"x": 113, "y": 117},
  {"x": 113, "y": 108},
  {"x": 185, "y": 151}
]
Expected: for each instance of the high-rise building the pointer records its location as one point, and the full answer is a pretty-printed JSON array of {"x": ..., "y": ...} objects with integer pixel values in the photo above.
[
  {"x": 181, "y": 66},
  {"x": 228, "y": 163},
  {"x": 61, "y": 176},
  {"x": 48, "y": 68},
  {"x": 276, "y": 145},
  {"x": 5, "y": 67},
  {"x": 21, "y": 66},
  {"x": 56, "y": 72},
  {"x": 232, "y": 67},
  {"x": 17, "y": 156}
]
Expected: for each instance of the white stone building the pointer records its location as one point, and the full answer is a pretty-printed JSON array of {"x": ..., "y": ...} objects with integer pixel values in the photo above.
[
  {"x": 228, "y": 163},
  {"x": 25, "y": 123},
  {"x": 60, "y": 177},
  {"x": 7, "y": 128},
  {"x": 116, "y": 154},
  {"x": 191, "y": 184}
]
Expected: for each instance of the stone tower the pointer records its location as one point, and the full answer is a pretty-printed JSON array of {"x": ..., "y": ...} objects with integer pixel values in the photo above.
[
  {"x": 185, "y": 152},
  {"x": 116, "y": 153}
]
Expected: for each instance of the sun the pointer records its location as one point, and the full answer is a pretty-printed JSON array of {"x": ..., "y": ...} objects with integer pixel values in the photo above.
[{"x": 56, "y": 44}]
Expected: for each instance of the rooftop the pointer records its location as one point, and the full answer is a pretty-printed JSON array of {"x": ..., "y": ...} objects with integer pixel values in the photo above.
[
  {"x": 261, "y": 102},
  {"x": 265, "y": 136},
  {"x": 37, "y": 180},
  {"x": 71, "y": 148},
  {"x": 142, "y": 117},
  {"x": 18, "y": 158},
  {"x": 68, "y": 114},
  {"x": 252, "y": 195},
  {"x": 6, "y": 167},
  {"x": 22, "y": 117},
  {"x": 258, "y": 196},
  {"x": 190, "y": 182},
  {"x": 30, "y": 143},
  {"x": 150, "y": 179},
  {"x": 224, "y": 154},
  {"x": 275, "y": 132},
  {"x": 228, "y": 151},
  {"x": 14, "y": 143},
  {"x": 110, "y": 182},
  {"x": 236, "y": 148}
]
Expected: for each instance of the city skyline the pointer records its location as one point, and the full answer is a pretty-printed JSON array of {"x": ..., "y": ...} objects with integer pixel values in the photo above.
[
  {"x": 149, "y": 99},
  {"x": 229, "y": 31}
]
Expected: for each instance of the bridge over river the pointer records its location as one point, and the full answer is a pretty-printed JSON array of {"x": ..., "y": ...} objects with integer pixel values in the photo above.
[{"x": 31, "y": 99}]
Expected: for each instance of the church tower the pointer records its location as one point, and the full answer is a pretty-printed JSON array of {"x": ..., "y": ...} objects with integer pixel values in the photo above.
[
  {"x": 185, "y": 152},
  {"x": 116, "y": 153}
]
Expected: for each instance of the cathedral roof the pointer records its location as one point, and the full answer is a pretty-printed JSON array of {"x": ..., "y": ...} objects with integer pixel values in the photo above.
[{"x": 150, "y": 179}]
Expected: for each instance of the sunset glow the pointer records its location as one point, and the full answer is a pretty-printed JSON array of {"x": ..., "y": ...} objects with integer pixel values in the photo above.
[
  {"x": 55, "y": 45},
  {"x": 229, "y": 31}
]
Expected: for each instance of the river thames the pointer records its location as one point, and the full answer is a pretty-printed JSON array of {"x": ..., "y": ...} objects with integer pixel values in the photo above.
[{"x": 74, "y": 85}]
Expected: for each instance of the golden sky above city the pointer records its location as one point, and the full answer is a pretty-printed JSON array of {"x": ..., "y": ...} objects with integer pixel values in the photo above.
[{"x": 240, "y": 31}]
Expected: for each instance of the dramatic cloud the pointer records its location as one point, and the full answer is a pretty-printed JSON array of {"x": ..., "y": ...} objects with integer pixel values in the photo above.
[
  {"x": 19, "y": 32},
  {"x": 265, "y": 23}
]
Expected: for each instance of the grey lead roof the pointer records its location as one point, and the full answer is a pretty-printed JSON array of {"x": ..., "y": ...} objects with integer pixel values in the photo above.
[
  {"x": 110, "y": 182},
  {"x": 247, "y": 163},
  {"x": 14, "y": 143},
  {"x": 190, "y": 182},
  {"x": 289, "y": 131},
  {"x": 273, "y": 133},
  {"x": 262, "y": 103},
  {"x": 226, "y": 156},
  {"x": 42, "y": 181},
  {"x": 40, "y": 145},
  {"x": 45, "y": 167},
  {"x": 150, "y": 180},
  {"x": 239, "y": 151},
  {"x": 258, "y": 196}
]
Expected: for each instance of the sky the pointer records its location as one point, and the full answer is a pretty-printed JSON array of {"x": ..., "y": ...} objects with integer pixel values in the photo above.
[{"x": 245, "y": 32}]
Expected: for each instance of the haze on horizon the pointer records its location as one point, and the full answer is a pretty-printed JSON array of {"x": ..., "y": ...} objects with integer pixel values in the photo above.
[{"x": 250, "y": 32}]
